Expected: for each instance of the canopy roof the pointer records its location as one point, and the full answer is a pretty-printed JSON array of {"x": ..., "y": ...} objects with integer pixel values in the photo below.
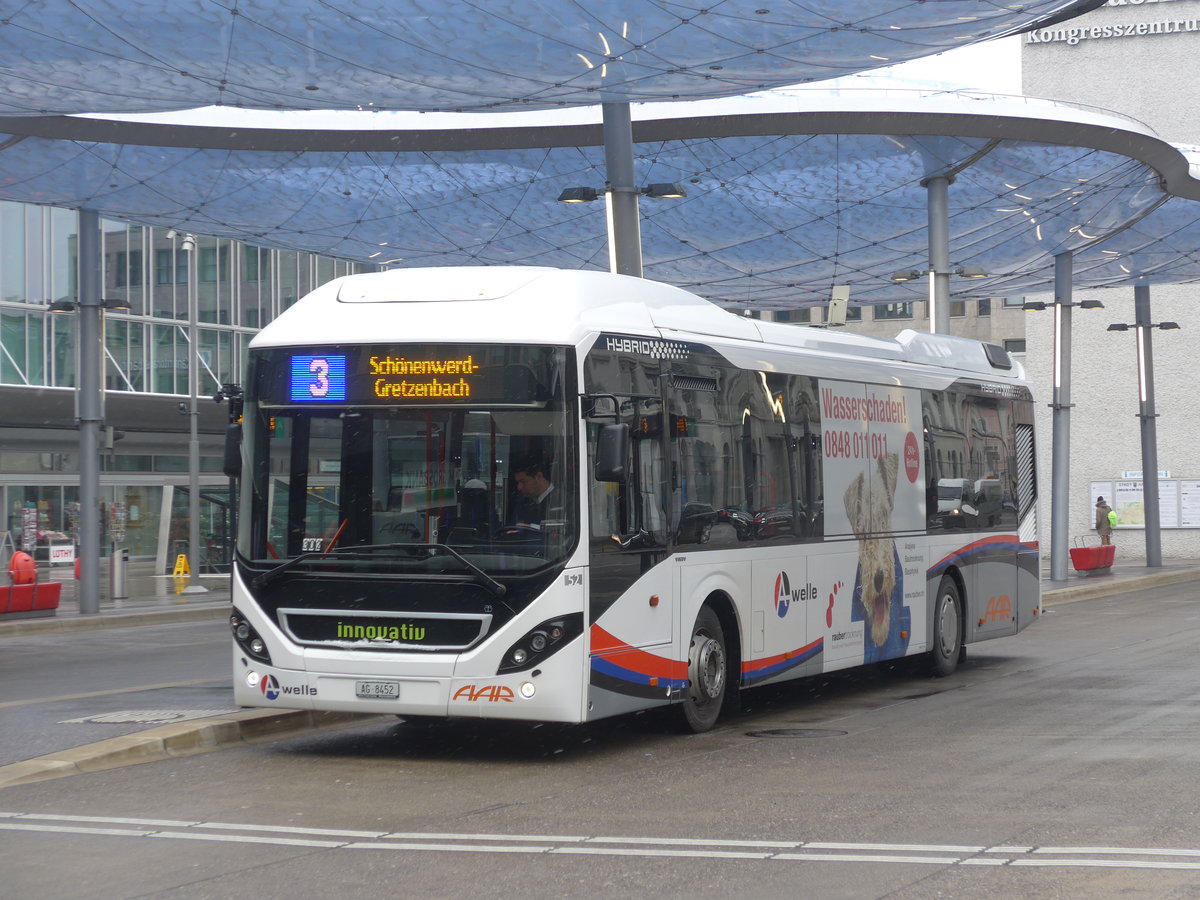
[
  {"x": 787, "y": 195},
  {"x": 78, "y": 56}
]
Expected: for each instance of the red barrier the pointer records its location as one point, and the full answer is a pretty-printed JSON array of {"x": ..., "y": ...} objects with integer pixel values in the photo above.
[
  {"x": 25, "y": 596},
  {"x": 20, "y": 598},
  {"x": 47, "y": 595}
]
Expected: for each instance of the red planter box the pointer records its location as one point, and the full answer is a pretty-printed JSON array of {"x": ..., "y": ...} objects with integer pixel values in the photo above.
[{"x": 1086, "y": 559}]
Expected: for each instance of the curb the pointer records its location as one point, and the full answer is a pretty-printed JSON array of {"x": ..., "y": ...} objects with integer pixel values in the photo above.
[
  {"x": 1107, "y": 586},
  {"x": 77, "y": 622},
  {"x": 178, "y": 739}
]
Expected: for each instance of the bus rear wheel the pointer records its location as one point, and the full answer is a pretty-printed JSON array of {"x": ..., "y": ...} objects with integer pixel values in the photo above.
[
  {"x": 707, "y": 673},
  {"x": 947, "y": 647}
]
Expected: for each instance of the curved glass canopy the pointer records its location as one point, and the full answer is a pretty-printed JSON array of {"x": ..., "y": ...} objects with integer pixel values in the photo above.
[
  {"x": 786, "y": 196},
  {"x": 67, "y": 56}
]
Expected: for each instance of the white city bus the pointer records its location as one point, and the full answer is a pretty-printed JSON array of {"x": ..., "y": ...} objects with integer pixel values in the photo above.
[{"x": 526, "y": 493}]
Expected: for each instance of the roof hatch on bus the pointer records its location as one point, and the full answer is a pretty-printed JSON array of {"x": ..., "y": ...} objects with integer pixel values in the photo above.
[{"x": 436, "y": 285}]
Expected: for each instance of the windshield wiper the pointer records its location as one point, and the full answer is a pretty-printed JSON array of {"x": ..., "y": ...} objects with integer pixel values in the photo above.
[{"x": 480, "y": 577}]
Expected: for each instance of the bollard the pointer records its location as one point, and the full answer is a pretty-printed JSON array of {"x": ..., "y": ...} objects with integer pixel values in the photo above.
[{"x": 118, "y": 567}]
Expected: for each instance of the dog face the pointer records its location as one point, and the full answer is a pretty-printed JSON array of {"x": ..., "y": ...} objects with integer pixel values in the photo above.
[{"x": 869, "y": 504}]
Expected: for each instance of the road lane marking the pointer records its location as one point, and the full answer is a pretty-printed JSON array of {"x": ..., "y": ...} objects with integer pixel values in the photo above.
[
  {"x": 595, "y": 850},
  {"x": 113, "y": 692},
  {"x": 1143, "y": 858}
]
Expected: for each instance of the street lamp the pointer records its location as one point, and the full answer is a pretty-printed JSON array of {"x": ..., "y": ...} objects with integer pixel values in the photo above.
[
  {"x": 1146, "y": 412},
  {"x": 89, "y": 401},
  {"x": 624, "y": 235},
  {"x": 188, "y": 244}
]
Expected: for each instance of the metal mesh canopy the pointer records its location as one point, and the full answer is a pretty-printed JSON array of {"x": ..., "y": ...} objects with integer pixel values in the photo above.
[
  {"x": 73, "y": 56},
  {"x": 786, "y": 195}
]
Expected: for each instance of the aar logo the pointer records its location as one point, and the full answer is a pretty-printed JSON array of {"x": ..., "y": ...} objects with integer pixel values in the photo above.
[{"x": 269, "y": 685}]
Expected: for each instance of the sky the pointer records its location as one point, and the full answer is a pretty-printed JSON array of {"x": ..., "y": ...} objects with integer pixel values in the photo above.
[{"x": 992, "y": 66}]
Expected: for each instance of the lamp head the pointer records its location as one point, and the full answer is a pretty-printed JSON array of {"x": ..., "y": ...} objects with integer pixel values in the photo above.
[
  {"x": 578, "y": 195},
  {"x": 664, "y": 191}
]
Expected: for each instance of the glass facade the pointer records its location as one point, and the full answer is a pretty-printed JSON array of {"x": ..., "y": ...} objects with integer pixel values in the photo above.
[{"x": 238, "y": 289}]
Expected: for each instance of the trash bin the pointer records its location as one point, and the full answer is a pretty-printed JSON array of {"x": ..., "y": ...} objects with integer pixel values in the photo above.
[{"x": 118, "y": 574}]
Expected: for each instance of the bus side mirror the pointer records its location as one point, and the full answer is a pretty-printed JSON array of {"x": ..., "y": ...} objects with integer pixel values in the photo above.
[
  {"x": 233, "y": 450},
  {"x": 613, "y": 445}
]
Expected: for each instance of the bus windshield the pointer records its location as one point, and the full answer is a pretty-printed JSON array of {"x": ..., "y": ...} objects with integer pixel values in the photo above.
[{"x": 462, "y": 455}]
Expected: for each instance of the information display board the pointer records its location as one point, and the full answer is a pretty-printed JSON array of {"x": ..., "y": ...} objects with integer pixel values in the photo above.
[{"x": 1178, "y": 501}]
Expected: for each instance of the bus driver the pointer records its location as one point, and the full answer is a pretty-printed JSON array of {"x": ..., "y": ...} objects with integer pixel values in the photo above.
[{"x": 535, "y": 492}]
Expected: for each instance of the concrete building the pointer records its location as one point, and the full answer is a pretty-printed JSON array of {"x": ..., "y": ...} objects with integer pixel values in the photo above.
[{"x": 1136, "y": 58}]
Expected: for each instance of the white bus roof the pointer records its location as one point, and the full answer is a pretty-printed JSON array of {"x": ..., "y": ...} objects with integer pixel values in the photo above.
[{"x": 502, "y": 304}]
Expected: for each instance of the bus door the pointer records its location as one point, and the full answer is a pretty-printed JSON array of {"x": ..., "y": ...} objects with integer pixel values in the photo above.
[
  {"x": 992, "y": 491},
  {"x": 628, "y": 521}
]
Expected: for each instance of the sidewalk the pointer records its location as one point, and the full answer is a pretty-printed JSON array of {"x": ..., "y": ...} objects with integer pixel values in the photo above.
[{"x": 153, "y": 600}]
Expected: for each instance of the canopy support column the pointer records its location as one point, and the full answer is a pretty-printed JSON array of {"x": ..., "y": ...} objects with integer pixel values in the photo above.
[
  {"x": 89, "y": 409},
  {"x": 938, "y": 191},
  {"x": 621, "y": 194}
]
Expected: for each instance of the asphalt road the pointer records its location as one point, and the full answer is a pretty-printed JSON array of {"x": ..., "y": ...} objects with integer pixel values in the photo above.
[
  {"x": 1058, "y": 763},
  {"x": 65, "y": 690}
]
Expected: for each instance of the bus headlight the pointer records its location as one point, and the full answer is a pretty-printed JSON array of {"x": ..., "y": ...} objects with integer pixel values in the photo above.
[
  {"x": 540, "y": 642},
  {"x": 247, "y": 638}
]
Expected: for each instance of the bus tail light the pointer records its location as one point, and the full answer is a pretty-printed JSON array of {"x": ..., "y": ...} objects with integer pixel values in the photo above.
[
  {"x": 247, "y": 638},
  {"x": 541, "y": 641}
]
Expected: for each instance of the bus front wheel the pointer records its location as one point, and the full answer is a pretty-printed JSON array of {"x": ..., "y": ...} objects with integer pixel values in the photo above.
[
  {"x": 707, "y": 673},
  {"x": 947, "y": 647}
]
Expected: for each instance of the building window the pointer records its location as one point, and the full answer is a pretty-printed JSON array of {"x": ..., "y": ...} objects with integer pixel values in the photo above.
[
  {"x": 1014, "y": 301},
  {"x": 854, "y": 314},
  {"x": 251, "y": 263},
  {"x": 170, "y": 267},
  {"x": 213, "y": 263},
  {"x": 893, "y": 311},
  {"x": 127, "y": 271},
  {"x": 1014, "y": 345},
  {"x": 958, "y": 309},
  {"x": 985, "y": 306},
  {"x": 792, "y": 316}
]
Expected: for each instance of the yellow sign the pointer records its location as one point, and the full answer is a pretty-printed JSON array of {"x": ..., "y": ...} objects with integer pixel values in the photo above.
[
  {"x": 441, "y": 388},
  {"x": 181, "y": 565}
]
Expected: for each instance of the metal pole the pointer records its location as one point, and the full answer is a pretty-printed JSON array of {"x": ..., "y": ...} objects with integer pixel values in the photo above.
[
  {"x": 1060, "y": 477},
  {"x": 1145, "y": 364},
  {"x": 621, "y": 198},
  {"x": 194, "y": 586},
  {"x": 938, "y": 191},
  {"x": 91, "y": 410}
]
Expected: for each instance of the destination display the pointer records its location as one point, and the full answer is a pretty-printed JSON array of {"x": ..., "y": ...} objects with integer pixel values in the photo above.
[{"x": 406, "y": 375}]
